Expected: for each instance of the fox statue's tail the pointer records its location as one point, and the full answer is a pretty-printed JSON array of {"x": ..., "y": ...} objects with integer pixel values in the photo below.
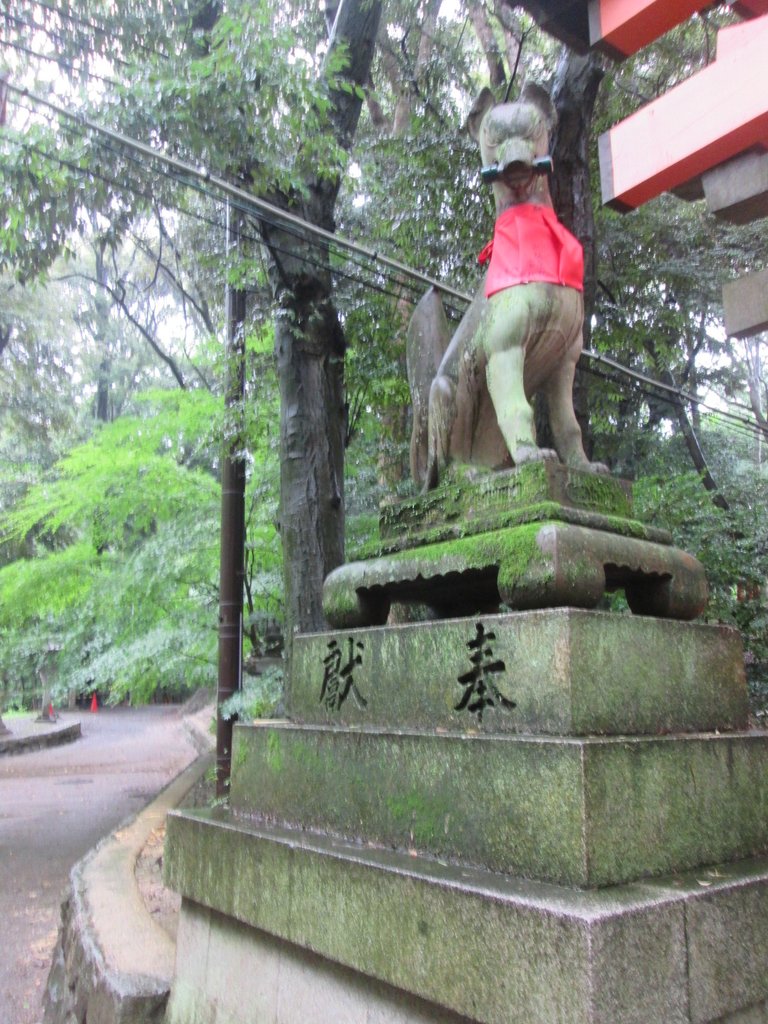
[{"x": 427, "y": 339}]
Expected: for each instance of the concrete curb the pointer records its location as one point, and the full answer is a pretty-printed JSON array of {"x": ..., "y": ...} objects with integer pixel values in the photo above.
[
  {"x": 113, "y": 964},
  {"x": 23, "y": 744}
]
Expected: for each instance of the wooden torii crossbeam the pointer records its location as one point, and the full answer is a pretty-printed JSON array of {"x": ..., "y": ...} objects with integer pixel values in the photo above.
[
  {"x": 714, "y": 115},
  {"x": 621, "y": 27}
]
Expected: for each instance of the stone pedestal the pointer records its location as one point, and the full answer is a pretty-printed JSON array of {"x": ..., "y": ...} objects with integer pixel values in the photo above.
[
  {"x": 532, "y": 816},
  {"x": 540, "y": 536}
]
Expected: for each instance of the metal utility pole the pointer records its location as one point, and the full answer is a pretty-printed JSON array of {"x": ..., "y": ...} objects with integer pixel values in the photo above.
[{"x": 232, "y": 563}]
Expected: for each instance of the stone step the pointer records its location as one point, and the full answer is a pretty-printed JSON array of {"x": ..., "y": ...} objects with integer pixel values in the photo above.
[
  {"x": 357, "y": 932},
  {"x": 585, "y": 812},
  {"x": 564, "y": 672}
]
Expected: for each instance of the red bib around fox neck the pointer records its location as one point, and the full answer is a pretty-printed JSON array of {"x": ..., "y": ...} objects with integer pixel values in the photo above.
[{"x": 530, "y": 244}]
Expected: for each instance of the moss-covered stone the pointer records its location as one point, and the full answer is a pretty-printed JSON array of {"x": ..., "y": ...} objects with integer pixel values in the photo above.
[
  {"x": 568, "y": 672},
  {"x": 583, "y": 812},
  {"x": 467, "y": 497},
  {"x": 465, "y": 504},
  {"x": 538, "y": 565},
  {"x": 494, "y": 949}
]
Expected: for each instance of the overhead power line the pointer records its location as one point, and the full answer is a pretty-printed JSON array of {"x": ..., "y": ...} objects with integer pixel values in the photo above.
[
  {"x": 59, "y": 61},
  {"x": 272, "y": 215},
  {"x": 106, "y": 32},
  {"x": 669, "y": 389},
  {"x": 136, "y": 190},
  {"x": 253, "y": 204}
]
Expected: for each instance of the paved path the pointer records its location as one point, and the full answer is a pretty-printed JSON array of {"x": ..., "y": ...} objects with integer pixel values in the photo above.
[{"x": 55, "y": 805}]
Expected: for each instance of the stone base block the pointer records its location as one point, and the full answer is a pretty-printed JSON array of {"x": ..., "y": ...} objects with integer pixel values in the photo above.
[
  {"x": 590, "y": 811},
  {"x": 372, "y": 937},
  {"x": 745, "y": 304},
  {"x": 538, "y": 565},
  {"x": 566, "y": 671},
  {"x": 229, "y": 972},
  {"x": 461, "y": 506}
]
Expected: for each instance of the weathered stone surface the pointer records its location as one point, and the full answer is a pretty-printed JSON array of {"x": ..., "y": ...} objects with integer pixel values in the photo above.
[
  {"x": 583, "y": 812},
  {"x": 728, "y": 943},
  {"x": 499, "y": 951},
  {"x": 568, "y": 672},
  {"x": 227, "y": 970},
  {"x": 745, "y": 303},
  {"x": 737, "y": 191},
  {"x": 13, "y": 744},
  {"x": 464, "y": 505},
  {"x": 540, "y": 565},
  {"x": 83, "y": 988},
  {"x": 113, "y": 963}
]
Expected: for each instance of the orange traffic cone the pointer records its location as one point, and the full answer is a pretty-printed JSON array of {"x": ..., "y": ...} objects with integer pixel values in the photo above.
[{"x": 94, "y": 703}]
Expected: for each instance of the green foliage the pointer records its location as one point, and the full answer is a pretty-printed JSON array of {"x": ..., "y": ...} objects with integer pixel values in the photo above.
[
  {"x": 122, "y": 590},
  {"x": 258, "y": 698},
  {"x": 732, "y": 544}
]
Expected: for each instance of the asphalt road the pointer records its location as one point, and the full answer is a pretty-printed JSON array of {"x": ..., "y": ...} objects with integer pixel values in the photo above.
[{"x": 55, "y": 805}]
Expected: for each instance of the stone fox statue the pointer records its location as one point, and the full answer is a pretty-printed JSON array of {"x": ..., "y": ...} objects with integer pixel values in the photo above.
[{"x": 523, "y": 331}]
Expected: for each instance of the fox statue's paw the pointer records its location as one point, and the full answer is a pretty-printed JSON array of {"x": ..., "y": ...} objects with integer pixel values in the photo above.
[{"x": 531, "y": 453}]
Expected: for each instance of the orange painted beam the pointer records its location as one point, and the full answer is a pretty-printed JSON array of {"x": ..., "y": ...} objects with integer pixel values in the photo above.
[
  {"x": 622, "y": 27},
  {"x": 714, "y": 115}
]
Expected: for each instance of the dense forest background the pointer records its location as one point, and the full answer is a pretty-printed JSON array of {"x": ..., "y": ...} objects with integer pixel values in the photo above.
[{"x": 117, "y": 273}]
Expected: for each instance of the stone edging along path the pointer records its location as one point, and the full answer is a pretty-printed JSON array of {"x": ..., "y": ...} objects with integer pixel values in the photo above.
[
  {"x": 14, "y": 743},
  {"x": 112, "y": 960}
]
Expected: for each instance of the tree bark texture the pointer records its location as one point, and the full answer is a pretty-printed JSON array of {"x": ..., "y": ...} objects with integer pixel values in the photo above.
[
  {"x": 103, "y": 379},
  {"x": 574, "y": 93},
  {"x": 695, "y": 451},
  {"x": 309, "y": 345}
]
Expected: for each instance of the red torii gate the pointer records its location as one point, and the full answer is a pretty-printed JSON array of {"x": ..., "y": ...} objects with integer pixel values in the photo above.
[
  {"x": 711, "y": 129},
  {"x": 621, "y": 27},
  {"x": 716, "y": 114}
]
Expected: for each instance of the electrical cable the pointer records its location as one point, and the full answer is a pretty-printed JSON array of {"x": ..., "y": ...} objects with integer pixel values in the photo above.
[
  {"x": 99, "y": 29},
  {"x": 254, "y": 204},
  {"x": 749, "y": 429},
  {"x": 348, "y": 252},
  {"x": 58, "y": 61},
  {"x": 668, "y": 388},
  {"x": 256, "y": 240},
  {"x": 272, "y": 215}
]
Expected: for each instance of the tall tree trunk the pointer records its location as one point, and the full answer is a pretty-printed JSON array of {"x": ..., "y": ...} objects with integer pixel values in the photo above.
[
  {"x": 698, "y": 457},
  {"x": 310, "y": 344},
  {"x": 101, "y": 318},
  {"x": 577, "y": 81}
]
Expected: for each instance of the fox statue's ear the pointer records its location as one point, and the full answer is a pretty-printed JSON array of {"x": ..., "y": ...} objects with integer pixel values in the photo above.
[
  {"x": 539, "y": 97},
  {"x": 484, "y": 102}
]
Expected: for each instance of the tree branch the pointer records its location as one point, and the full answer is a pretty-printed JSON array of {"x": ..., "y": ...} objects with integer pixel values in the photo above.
[
  {"x": 118, "y": 298},
  {"x": 487, "y": 39}
]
